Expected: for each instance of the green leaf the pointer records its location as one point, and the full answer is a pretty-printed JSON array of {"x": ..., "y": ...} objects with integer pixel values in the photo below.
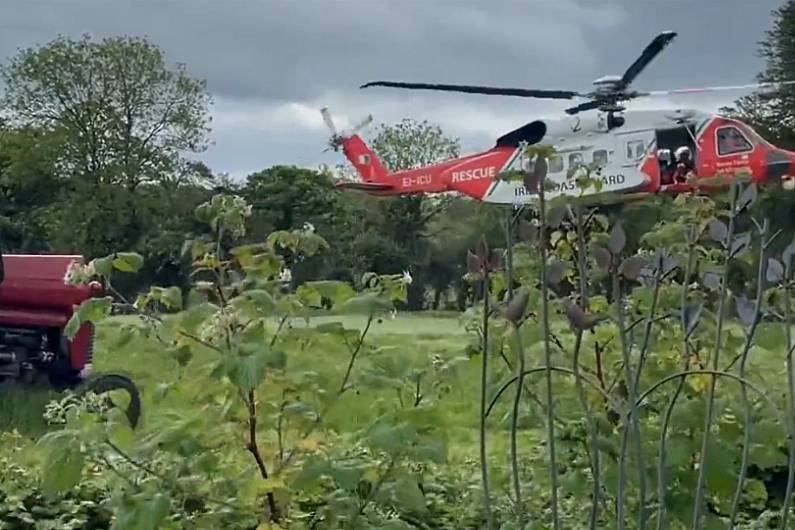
[
  {"x": 63, "y": 466},
  {"x": 128, "y": 262},
  {"x": 170, "y": 297},
  {"x": 247, "y": 372},
  {"x": 337, "y": 292},
  {"x": 103, "y": 266},
  {"x": 90, "y": 310},
  {"x": 72, "y": 327},
  {"x": 408, "y": 495},
  {"x": 255, "y": 303},
  {"x": 153, "y": 511},
  {"x": 309, "y": 296}
]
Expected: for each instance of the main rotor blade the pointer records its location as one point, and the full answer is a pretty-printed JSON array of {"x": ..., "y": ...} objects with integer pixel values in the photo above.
[
  {"x": 652, "y": 50},
  {"x": 494, "y": 91},
  {"x": 714, "y": 89},
  {"x": 328, "y": 121},
  {"x": 588, "y": 105},
  {"x": 361, "y": 125}
]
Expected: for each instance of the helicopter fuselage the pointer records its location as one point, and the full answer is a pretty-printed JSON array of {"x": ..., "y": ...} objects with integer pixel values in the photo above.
[{"x": 619, "y": 153}]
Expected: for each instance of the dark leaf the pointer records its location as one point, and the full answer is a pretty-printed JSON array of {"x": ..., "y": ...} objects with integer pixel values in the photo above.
[
  {"x": 718, "y": 231},
  {"x": 473, "y": 263},
  {"x": 495, "y": 259},
  {"x": 528, "y": 231},
  {"x": 618, "y": 239},
  {"x": 711, "y": 280},
  {"x": 602, "y": 257},
  {"x": 556, "y": 215},
  {"x": 664, "y": 263},
  {"x": 514, "y": 310},
  {"x": 632, "y": 267},
  {"x": 692, "y": 317},
  {"x": 747, "y": 197},
  {"x": 646, "y": 276},
  {"x": 775, "y": 270},
  {"x": 746, "y": 310},
  {"x": 556, "y": 271},
  {"x": 740, "y": 244},
  {"x": 579, "y": 319}
]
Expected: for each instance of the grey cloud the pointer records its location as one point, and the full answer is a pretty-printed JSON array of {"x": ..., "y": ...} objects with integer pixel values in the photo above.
[{"x": 272, "y": 64}]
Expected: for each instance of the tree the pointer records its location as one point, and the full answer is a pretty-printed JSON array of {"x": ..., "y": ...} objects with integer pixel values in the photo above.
[
  {"x": 118, "y": 122},
  {"x": 406, "y": 145},
  {"x": 29, "y": 184},
  {"x": 772, "y": 112},
  {"x": 124, "y": 116}
]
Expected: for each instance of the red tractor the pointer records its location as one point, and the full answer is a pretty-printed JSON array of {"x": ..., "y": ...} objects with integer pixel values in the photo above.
[{"x": 35, "y": 305}]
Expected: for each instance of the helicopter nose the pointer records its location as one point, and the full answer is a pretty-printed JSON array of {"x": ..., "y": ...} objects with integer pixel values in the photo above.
[{"x": 780, "y": 165}]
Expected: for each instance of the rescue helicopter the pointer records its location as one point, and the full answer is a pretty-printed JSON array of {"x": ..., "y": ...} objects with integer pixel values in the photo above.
[{"x": 632, "y": 152}]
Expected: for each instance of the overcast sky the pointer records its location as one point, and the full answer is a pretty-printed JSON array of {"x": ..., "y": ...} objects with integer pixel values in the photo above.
[{"x": 271, "y": 65}]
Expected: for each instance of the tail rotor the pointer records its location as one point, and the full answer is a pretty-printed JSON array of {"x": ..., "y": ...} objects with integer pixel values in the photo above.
[{"x": 335, "y": 142}]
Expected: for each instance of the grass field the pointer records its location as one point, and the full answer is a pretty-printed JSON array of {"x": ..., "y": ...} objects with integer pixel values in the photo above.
[{"x": 21, "y": 407}]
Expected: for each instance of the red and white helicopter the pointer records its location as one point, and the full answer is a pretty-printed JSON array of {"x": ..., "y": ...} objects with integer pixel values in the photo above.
[{"x": 631, "y": 152}]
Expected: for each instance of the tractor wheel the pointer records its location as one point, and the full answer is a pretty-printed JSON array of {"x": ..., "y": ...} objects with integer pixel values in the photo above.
[{"x": 101, "y": 383}]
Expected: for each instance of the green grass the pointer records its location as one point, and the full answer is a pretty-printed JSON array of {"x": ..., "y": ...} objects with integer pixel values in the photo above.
[
  {"x": 22, "y": 408},
  {"x": 418, "y": 336}
]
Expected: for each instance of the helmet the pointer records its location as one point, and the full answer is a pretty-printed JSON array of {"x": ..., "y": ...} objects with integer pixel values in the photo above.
[{"x": 683, "y": 150}]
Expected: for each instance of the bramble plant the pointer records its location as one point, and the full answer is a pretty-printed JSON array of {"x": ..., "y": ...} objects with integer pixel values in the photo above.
[{"x": 179, "y": 469}]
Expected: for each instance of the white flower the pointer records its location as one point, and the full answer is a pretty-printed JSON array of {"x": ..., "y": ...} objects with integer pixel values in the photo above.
[
  {"x": 393, "y": 314},
  {"x": 309, "y": 227},
  {"x": 407, "y": 278},
  {"x": 286, "y": 276}
]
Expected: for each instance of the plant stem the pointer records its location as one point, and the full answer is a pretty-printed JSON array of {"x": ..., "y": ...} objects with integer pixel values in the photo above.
[
  {"x": 253, "y": 448},
  {"x": 634, "y": 391},
  {"x": 553, "y": 468},
  {"x": 630, "y": 419},
  {"x": 785, "y": 514},
  {"x": 582, "y": 265},
  {"x": 517, "y": 490},
  {"x": 760, "y": 283},
  {"x": 354, "y": 354},
  {"x": 373, "y": 492},
  {"x": 702, "y": 467},
  {"x": 537, "y": 369},
  {"x": 691, "y": 253},
  {"x": 509, "y": 250},
  {"x": 484, "y": 464}
]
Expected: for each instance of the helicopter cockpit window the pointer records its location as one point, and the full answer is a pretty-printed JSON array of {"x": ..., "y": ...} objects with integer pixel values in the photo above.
[
  {"x": 635, "y": 149},
  {"x": 575, "y": 160},
  {"x": 732, "y": 141},
  {"x": 600, "y": 158},
  {"x": 555, "y": 164}
]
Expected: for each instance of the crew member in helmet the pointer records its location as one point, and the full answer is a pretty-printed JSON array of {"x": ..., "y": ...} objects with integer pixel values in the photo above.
[
  {"x": 666, "y": 161},
  {"x": 684, "y": 165}
]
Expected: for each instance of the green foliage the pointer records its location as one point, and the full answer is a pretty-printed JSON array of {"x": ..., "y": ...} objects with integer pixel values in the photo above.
[{"x": 122, "y": 113}]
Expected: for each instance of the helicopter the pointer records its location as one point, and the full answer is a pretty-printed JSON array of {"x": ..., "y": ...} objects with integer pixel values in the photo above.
[{"x": 631, "y": 152}]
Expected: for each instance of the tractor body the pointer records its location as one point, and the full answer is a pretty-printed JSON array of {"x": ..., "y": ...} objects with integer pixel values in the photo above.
[{"x": 35, "y": 306}]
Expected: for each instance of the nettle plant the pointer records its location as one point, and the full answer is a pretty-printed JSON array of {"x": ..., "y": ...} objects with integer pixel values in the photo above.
[
  {"x": 265, "y": 444},
  {"x": 638, "y": 432}
]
